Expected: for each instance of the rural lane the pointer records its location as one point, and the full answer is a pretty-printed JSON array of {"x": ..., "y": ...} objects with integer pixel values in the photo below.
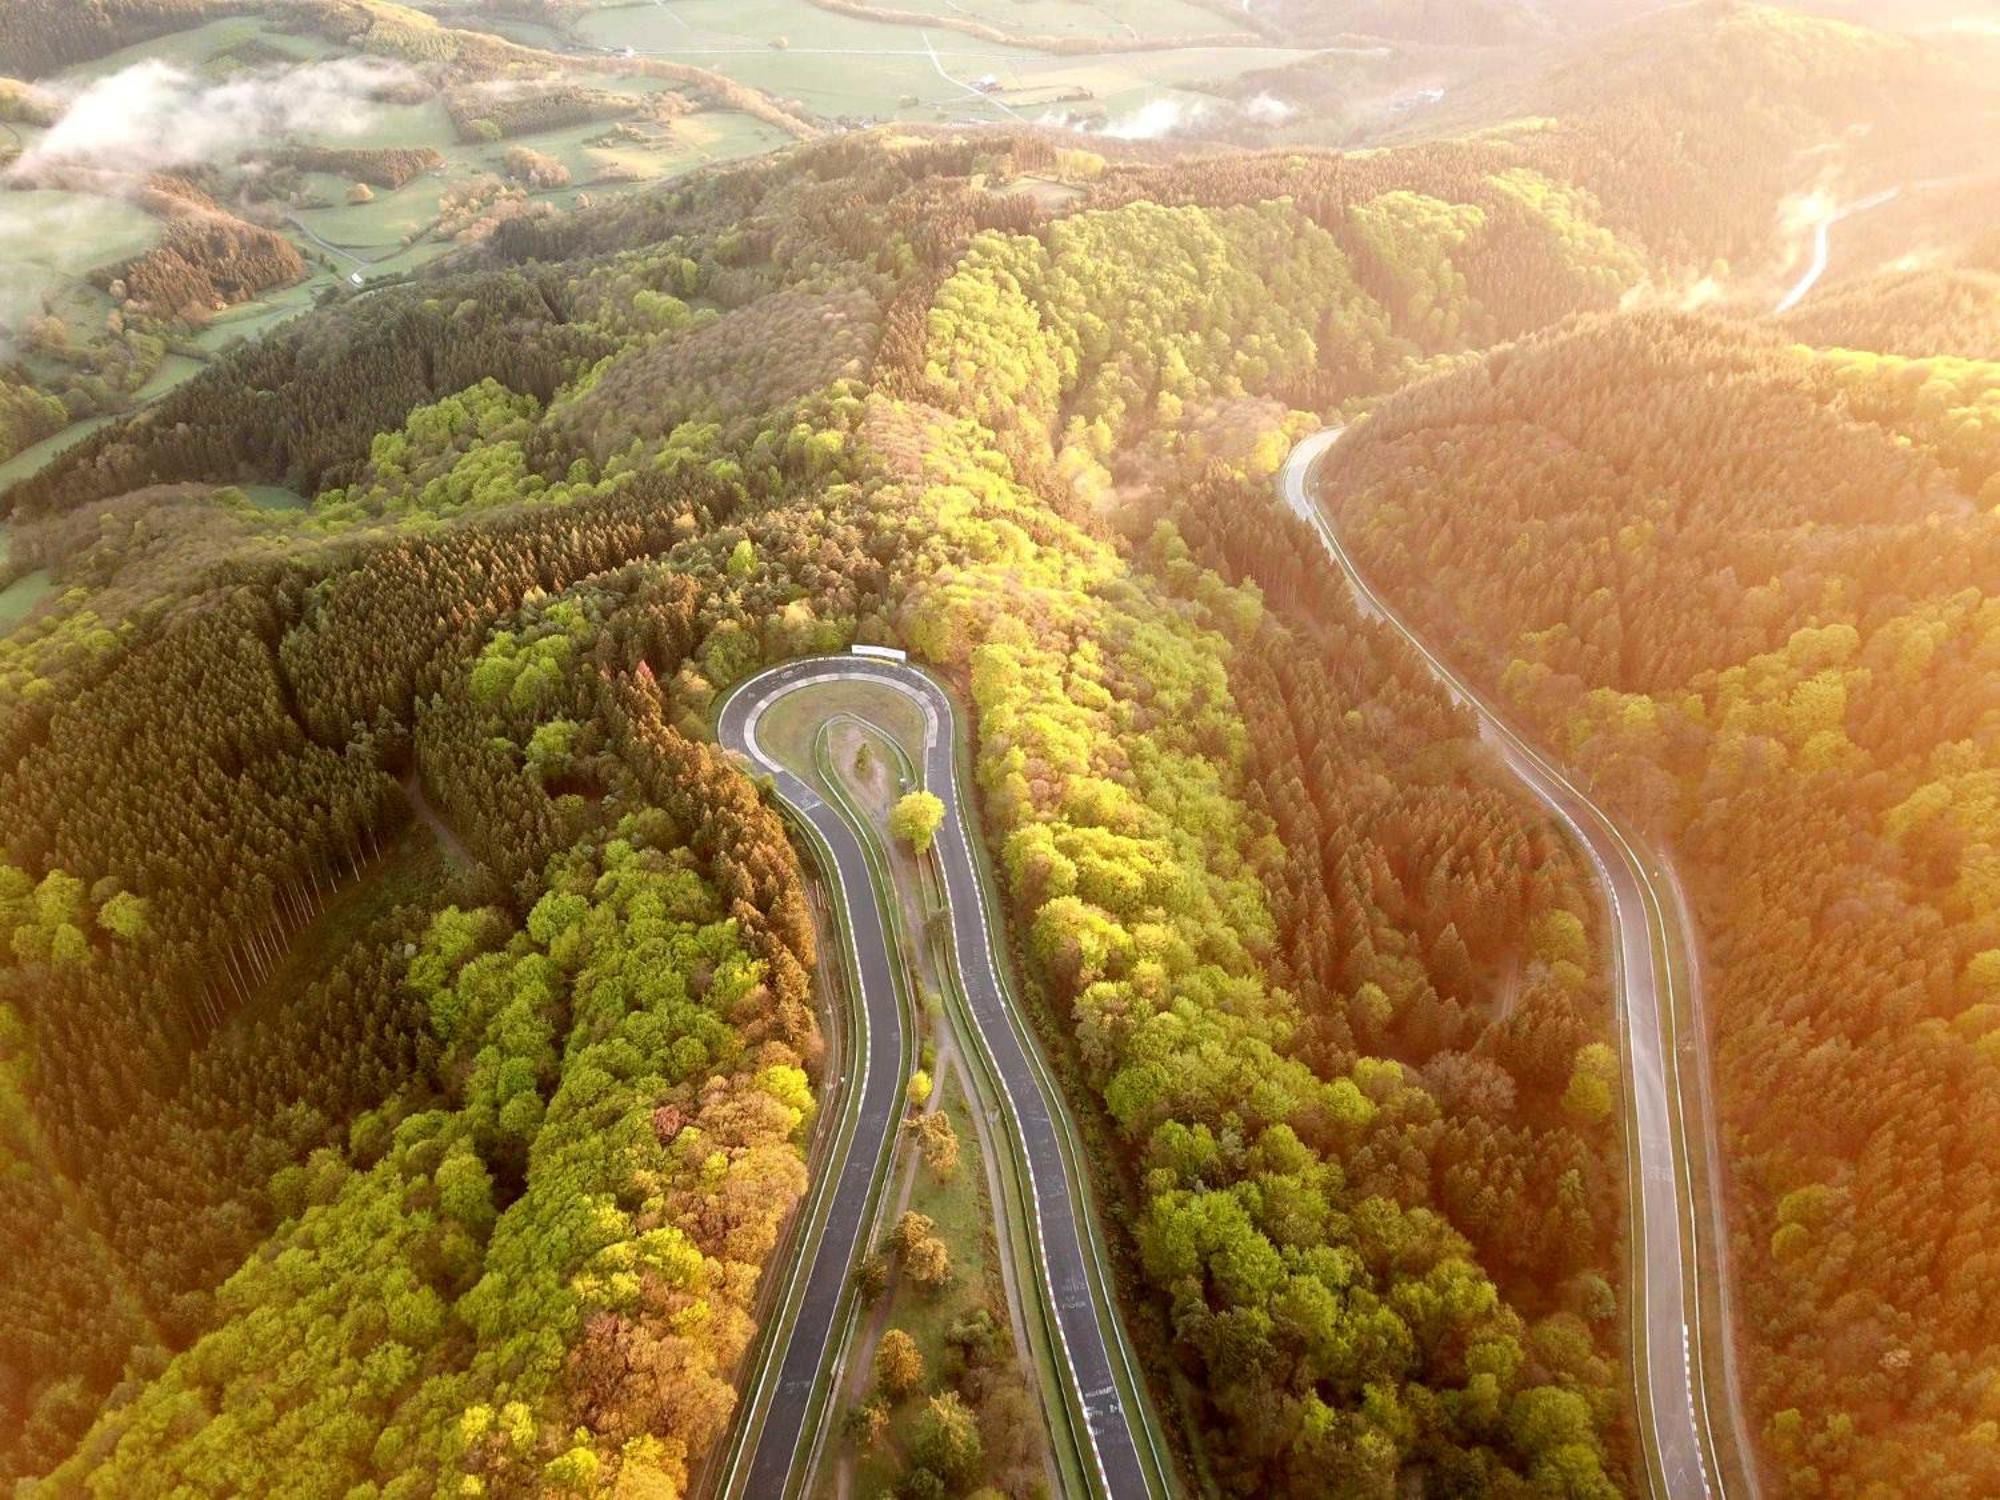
[
  {"x": 1105, "y": 1383},
  {"x": 1649, "y": 974}
]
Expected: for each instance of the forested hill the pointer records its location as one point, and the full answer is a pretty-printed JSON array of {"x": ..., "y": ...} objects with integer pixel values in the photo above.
[
  {"x": 410, "y": 1050},
  {"x": 474, "y": 1187},
  {"x": 1748, "y": 587},
  {"x": 1713, "y": 132}
]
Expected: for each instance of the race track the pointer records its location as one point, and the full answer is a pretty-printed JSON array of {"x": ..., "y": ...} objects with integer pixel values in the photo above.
[
  {"x": 782, "y": 1428},
  {"x": 1650, "y": 972}
]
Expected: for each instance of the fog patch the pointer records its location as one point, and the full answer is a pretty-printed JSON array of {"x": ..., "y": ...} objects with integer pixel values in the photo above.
[
  {"x": 155, "y": 115},
  {"x": 1268, "y": 109},
  {"x": 1153, "y": 121}
]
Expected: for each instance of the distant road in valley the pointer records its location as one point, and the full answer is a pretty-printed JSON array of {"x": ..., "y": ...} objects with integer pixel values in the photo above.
[
  {"x": 1652, "y": 973},
  {"x": 784, "y": 1406},
  {"x": 1823, "y": 247}
]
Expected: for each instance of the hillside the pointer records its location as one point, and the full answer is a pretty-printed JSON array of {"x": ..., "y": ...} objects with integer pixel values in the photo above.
[
  {"x": 418, "y": 1031},
  {"x": 1744, "y": 586},
  {"x": 520, "y": 586},
  {"x": 1709, "y": 131},
  {"x": 1482, "y": 23}
]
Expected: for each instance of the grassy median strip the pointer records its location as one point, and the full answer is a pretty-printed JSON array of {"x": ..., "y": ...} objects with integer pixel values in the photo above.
[{"x": 1061, "y": 1402}]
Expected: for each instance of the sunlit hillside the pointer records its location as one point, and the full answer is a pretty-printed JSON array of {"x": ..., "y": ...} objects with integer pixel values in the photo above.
[{"x": 998, "y": 747}]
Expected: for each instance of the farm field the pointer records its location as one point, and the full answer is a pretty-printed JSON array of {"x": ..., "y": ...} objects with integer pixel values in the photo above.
[
  {"x": 198, "y": 48},
  {"x": 32, "y": 459},
  {"x": 253, "y": 319},
  {"x": 892, "y": 71},
  {"x": 51, "y": 240},
  {"x": 1083, "y": 18},
  {"x": 20, "y": 595}
]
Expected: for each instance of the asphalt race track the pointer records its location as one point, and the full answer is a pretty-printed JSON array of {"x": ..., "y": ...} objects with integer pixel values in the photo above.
[
  {"x": 1672, "y": 1401},
  {"x": 781, "y": 1446}
]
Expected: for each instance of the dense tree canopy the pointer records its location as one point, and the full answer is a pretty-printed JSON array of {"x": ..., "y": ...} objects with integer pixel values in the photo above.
[
  {"x": 1746, "y": 586},
  {"x": 469, "y": 1190}
]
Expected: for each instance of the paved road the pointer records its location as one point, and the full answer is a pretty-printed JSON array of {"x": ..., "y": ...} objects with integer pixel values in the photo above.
[
  {"x": 1649, "y": 972},
  {"x": 1095, "y": 1355},
  {"x": 1823, "y": 247},
  {"x": 764, "y": 1467}
]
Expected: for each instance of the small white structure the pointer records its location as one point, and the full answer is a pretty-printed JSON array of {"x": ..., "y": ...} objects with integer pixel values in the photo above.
[{"x": 882, "y": 653}]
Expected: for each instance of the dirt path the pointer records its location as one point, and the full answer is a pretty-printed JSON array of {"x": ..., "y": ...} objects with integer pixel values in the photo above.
[{"x": 420, "y": 804}]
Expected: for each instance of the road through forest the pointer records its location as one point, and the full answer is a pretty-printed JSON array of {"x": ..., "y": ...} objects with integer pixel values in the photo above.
[
  {"x": 785, "y": 1416},
  {"x": 1651, "y": 973},
  {"x": 784, "y": 1413}
]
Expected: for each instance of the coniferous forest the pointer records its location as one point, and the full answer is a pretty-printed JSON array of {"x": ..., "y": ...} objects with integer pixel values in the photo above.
[{"x": 412, "y": 1037}]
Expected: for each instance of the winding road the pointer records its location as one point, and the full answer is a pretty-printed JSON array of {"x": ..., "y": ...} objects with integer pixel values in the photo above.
[
  {"x": 784, "y": 1406},
  {"x": 1652, "y": 973},
  {"x": 1823, "y": 247},
  {"x": 778, "y": 1440}
]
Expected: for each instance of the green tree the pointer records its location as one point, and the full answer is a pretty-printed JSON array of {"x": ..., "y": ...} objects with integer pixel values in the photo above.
[
  {"x": 915, "y": 819},
  {"x": 899, "y": 1365},
  {"x": 947, "y": 1442}
]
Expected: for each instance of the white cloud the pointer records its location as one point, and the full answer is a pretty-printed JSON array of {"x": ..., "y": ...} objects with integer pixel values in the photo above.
[
  {"x": 1268, "y": 109},
  {"x": 154, "y": 115}
]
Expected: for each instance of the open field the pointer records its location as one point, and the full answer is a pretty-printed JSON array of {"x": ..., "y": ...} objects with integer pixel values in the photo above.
[
  {"x": 883, "y": 70},
  {"x": 22, "y": 595},
  {"x": 199, "y": 48},
  {"x": 174, "y": 369},
  {"x": 1081, "y": 18},
  {"x": 30, "y": 460},
  {"x": 275, "y": 497},
  {"x": 253, "y": 319},
  {"x": 50, "y": 239},
  {"x": 792, "y": 724},
  {"x": 833, "y": 64}
]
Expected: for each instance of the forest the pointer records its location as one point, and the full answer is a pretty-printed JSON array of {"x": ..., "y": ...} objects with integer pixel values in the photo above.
[
  {"x": 1745, "y": 585},
  {"x": 412, "y": 1043},
  {"x": 1337, "y": 995}
]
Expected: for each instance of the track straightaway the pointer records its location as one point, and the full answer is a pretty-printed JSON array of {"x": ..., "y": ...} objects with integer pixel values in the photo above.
[
  {"x": 1650, "y": 973},
  {"x": 779, "y": 1439}
]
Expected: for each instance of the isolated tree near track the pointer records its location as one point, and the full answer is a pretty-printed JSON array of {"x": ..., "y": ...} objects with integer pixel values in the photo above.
[
  {"x": 915, "y": 818},
  {"x": 899, "y": 1365},
  {"x": 948, "y": 1443},
  {"x": 937, "y": 1141},
  {"x": 925, "y": 1259}
]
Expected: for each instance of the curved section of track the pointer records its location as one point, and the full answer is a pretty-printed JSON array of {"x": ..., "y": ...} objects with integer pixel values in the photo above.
[
  {"x": 1651, "y": 970},
  {"x": 779, "y": 1436},
  {"x": 776, "y": 1442}
]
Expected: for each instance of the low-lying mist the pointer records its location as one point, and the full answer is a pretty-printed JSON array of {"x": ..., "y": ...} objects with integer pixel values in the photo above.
[{"x": 154, "y": 115}]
